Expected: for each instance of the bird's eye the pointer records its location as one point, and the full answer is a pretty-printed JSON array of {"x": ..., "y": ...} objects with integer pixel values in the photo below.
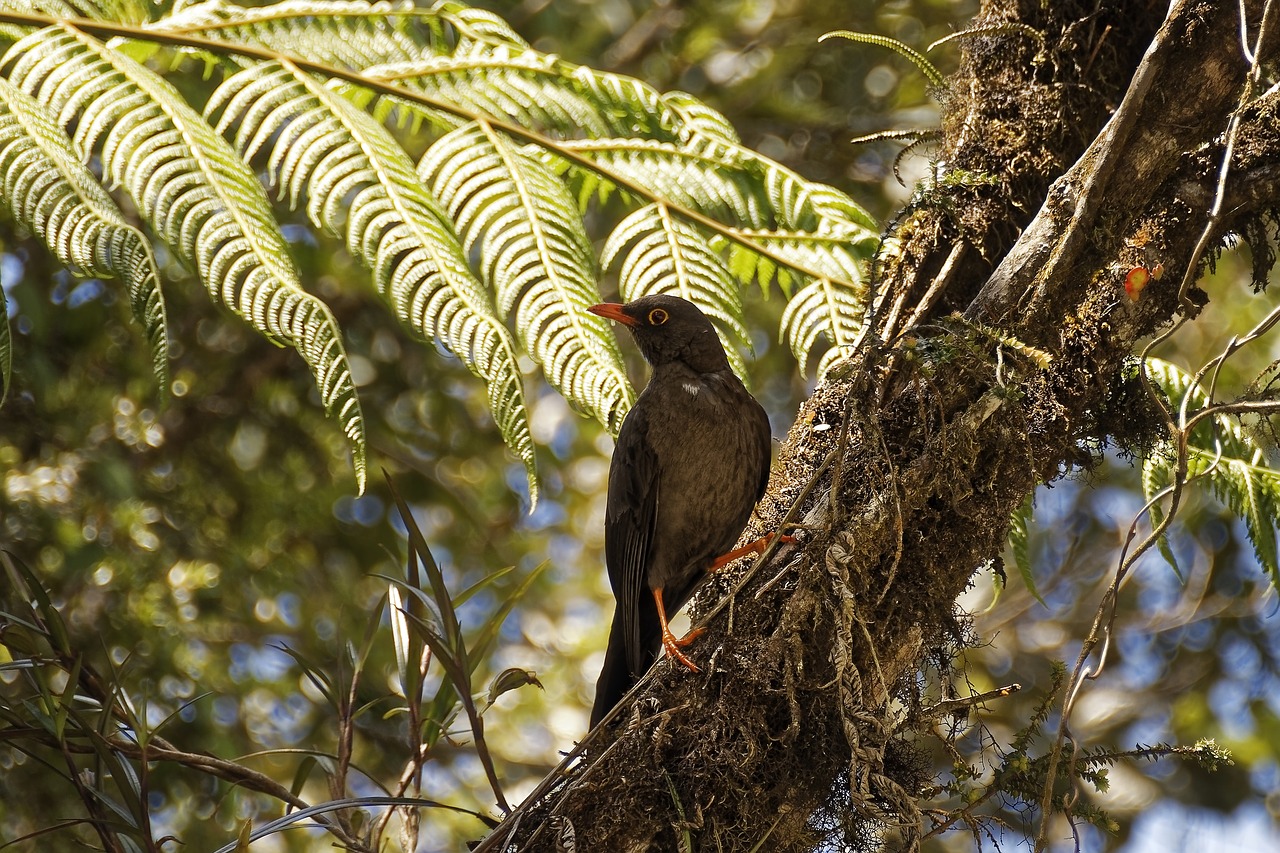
[{"x": 657, "y": 317}]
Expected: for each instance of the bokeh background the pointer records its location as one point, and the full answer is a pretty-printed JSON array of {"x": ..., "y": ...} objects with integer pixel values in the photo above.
[{"x": 187, "y": 541}]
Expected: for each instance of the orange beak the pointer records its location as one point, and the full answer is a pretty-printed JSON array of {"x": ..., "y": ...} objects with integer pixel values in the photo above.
[{"x": 613, "y": 311}]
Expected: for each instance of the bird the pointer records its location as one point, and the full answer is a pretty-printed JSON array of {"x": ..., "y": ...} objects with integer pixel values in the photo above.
[{"x": 691, "y": 461}]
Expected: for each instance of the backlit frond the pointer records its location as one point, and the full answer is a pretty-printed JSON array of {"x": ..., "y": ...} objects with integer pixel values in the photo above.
[
  {"x": 483, "y": 247},
  {"x": 698, "y": 118},
  {"x": 345, "y": 33},
  {"x": 1233, "y": 461},
  {"x": 1176, "y": 384},
  {"x": 837, "y": 257},
  {"x": 507, "y": 80},
  {"x": 360, "y": 185},
  {"x": 525, "y": 86},
  {"x": 695, "y": 177},
  {"x": 118, "y": 11},
  {"x": 664, "y": 254},
  {"x": 828, "y": 308},
  {"x": 50, "y": 193},
  {"x": 196, "y": 194},
  {"x": 536, "y": 256}
]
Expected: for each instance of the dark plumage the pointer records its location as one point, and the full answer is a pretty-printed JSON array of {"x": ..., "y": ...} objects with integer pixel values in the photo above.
[{"x": 691, "y": 461}]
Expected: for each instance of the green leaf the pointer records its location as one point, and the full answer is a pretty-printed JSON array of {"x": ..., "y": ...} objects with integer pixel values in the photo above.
[
  {"x": 344, "y": 33},
  {"x": 828, "y": 308},
  {"x": 1230, "y": 458},
  {"x": 538, "y": 260},
  {"x": 361, "y": 185},
  {"x": 1019, "y": 542},
  {"x": 50, "y": 193},
  {"x": 197, "y": 195},
  {"x": 925, "y": 66}
]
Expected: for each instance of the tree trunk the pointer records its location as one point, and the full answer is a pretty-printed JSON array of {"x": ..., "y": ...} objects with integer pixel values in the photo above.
[{"x": 994, "y": 361}]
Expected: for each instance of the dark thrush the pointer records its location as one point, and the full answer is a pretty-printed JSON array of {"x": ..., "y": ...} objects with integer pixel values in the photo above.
[{"x": 692, "y": 460}]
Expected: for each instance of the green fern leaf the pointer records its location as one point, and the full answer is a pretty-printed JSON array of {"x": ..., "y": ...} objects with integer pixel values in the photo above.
[
  {"x": 51, "y": 193},
  {"x": 357, "y": 176},
  {"x": 1020, "y": 544},
  {"x": 1156, "y": 476},
  {"x": 350, "y": 34},
  {"x": 479, "y": 24},
  {"x": 828, "y": 308},
  {"x": 835, "y": 256},
  {"x": 1253, "y": 493},
  {"x": 668, "y": 255},
  {"x": 926, "y": 67},
  {"x": 131, "y": 12},
  {"x": 695, "y": 177},
  {"x": 1176, "y": 383},
  {"x": 529, "y": 88},
  {"x": 698, "y": 118},
  {"x": 198, "y": 196},
  {"x": 1228, "y": 456},
  {"x": 538, "y": 259}
]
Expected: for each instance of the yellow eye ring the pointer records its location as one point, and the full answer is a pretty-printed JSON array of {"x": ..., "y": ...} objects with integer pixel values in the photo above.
[{"x": 657, "y": 317}]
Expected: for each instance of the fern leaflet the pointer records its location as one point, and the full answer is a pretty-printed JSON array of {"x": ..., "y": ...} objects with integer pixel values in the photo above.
[
  {"x": 354, "y": 171},
  {"x": 536, "y": 256},
  {"x": 52, "y": 194},
  {"x": 196, "y": 194}
]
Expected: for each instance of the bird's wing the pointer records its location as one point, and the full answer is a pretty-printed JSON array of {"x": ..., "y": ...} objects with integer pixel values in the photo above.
[
  {"x": 764, "y": 447},
  {"x": 628, "y": 528}
]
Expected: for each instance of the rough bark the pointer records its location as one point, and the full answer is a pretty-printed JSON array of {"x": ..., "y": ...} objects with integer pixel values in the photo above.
[{"x": 994, "y": 363}]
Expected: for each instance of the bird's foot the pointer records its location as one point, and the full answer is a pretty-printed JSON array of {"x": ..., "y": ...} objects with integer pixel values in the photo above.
[
  {"x": 756, "y": 547},
  {"x": 674, "y": 644}
]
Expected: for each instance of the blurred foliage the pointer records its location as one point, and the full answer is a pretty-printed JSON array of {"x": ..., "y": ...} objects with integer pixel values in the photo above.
[{"x": 186, "y": 574}]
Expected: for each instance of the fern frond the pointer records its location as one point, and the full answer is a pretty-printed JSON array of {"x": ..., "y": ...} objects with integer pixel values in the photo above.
[
  {"x": 355, "y": 174},
  {"x": 536, "y": 256},
  {"x": 828, "y": 308},
  {"x": 527, "y": 87},
  {"x": 533, "y": 89},
  {"x": 695, "y": 177},
  {"x": 837, "y": 257},
  {"x": 1020, "y": 544},
  {"x": 198, "y": 196},
  {"x": 698, "y": 118},
  {"x": 478, "y": 24},
  {"x": 350, "y": 34},
  {"x": 669, "y": 255},
  {"x": 1251, "y": 491},
  {"x": 916, "y": 57},
  {"x": 1176, "y": 384},
  {"x": 1234, "y": 466},
  {"x": 1157, "y": 474},
  {"x": 53, "y": 195},
  {"x": 130, "y": 12}
]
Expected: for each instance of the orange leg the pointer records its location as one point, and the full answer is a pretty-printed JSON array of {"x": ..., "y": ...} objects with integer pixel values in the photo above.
[
  {"x": 669, "y": 640},
  {"x": 756, "y": 547}
]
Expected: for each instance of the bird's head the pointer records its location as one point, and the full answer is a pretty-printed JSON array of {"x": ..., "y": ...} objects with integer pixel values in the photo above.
[{"x": 669, "y": 329}]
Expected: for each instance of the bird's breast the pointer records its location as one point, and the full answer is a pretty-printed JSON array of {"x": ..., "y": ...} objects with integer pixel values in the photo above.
[{"x": 712, "y": 445}]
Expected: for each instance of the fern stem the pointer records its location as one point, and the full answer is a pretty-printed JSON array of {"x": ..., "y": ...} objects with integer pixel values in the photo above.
[{"x": 112, "y": 30}]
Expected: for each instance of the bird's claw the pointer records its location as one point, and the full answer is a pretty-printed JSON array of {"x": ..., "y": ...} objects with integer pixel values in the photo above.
[{"x": 673, "y": 645}]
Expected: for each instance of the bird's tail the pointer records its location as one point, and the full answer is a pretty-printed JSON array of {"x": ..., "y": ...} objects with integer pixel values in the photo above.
[{"x": 616, "y": 677}]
